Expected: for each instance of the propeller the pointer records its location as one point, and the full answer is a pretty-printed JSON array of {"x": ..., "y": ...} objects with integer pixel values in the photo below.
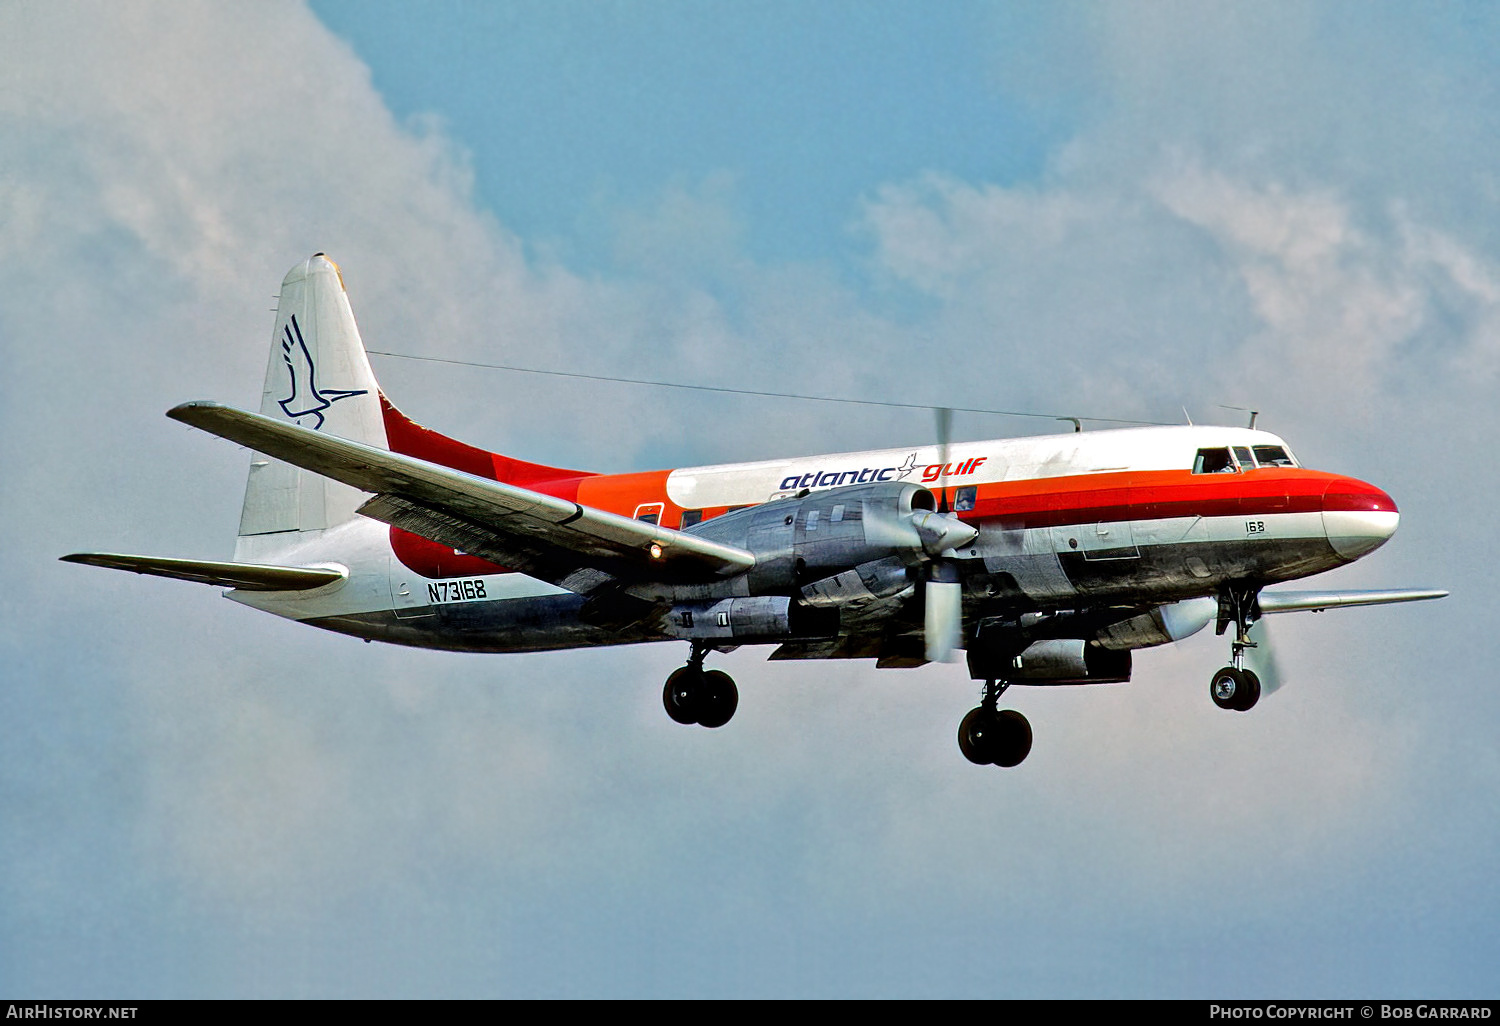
[
  {"x": 942, "y": 626},
  {"x": 944, "y": 433},
  {"x": 1262, "y": 658},
  {"x": 942, "y": 533}
]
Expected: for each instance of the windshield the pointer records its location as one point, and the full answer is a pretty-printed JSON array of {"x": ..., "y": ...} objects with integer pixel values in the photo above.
[{"x": 1273, "y": 456}]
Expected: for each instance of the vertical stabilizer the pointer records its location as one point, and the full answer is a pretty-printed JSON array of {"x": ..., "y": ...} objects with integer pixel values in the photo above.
[{"x": 319, "y": 377}]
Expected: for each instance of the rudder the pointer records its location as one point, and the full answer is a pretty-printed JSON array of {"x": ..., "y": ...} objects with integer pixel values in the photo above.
[{"x": 318, "y": 377}]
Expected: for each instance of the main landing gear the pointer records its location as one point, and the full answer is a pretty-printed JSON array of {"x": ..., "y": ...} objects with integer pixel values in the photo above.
[
  {"x": 1234, "y": 687},
  {"x": 988, "y": 736},
  {"x": 695, "y": 695}
]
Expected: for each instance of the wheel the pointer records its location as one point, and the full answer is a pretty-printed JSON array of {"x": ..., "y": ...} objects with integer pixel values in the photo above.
[
  {"x": 1011, "y": 741},
  {"x": 1227, "y": 688},
  {"x": 1250, "y": 694},
  {"x": 994, "y": 738},
  {"x": 974, "y": 733},
  {"x": 718, "y": 698},
  {"x": 681, "y": 695}
]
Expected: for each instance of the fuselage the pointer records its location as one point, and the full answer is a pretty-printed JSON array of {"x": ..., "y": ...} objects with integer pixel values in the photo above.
[{"x": 1132, "y": 517}]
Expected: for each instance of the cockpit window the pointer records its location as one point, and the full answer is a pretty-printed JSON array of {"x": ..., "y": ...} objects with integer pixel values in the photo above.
[
  {"x": 1273, "y": 456},
  {"x": 1213, "y": 461},
  {"x": 1242, "y": 455}
]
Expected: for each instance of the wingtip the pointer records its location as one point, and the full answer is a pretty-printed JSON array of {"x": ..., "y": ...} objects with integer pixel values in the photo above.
[{"x": 184, "y": 411}]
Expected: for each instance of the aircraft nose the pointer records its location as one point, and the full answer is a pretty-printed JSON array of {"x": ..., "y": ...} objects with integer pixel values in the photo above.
[{"x": 1357, "y": 517}]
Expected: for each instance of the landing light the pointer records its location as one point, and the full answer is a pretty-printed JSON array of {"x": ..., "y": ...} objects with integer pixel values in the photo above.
[{"x": 655, "y": 551}]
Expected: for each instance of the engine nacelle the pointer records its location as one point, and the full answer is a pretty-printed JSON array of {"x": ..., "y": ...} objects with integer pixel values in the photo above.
[
  {"x": 1067, "y": 661},
  {"x": 868, "y": 582},
  {"x": 1164, "y": 624},
  {"x": 758, "y": 618},
  {"x": 824, "y": 534}
]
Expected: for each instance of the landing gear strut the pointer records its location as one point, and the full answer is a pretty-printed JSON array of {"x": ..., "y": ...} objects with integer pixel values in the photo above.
[
  {"x": 695, "y": 695},
  {"x": 988, "y": 736},
  {"x": 1234, "y": 687}
]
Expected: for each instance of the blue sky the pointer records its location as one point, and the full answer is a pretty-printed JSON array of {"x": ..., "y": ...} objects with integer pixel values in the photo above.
[
  {"x": 1125, "y": 210},
  {"x": 572, "y": 110}
]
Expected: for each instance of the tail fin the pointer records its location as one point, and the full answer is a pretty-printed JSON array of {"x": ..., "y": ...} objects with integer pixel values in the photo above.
[{"x": 319, "y": 377}]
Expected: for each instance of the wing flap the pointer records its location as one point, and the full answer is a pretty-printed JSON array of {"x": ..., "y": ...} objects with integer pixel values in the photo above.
[
  {"x": 539, "y": 534},
  {"x": 243, "y": 576},
  {"x": 517, "y": 549}
]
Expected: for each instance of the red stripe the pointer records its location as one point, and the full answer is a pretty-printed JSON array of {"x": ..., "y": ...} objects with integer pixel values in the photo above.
[
  {"x": 436, "y": 561},
  {"x": 1349, "y": 494},
  {"x": 1159, "y": 495},
  {"x": 409, "y": 438}
]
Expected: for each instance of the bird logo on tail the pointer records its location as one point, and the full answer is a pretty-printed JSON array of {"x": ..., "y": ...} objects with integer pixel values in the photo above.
[{"x": 307, "y": 399}]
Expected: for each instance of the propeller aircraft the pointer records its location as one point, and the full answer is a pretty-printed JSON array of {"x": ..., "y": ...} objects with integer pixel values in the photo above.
[{"x": 1045, "y": 560}]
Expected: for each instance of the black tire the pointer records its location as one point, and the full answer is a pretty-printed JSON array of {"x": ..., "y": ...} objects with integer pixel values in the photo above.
[
  {"x": 1250, "y": 693},
  {"x": 1011, "y": 741},
  {"x": 975, "y": 734},
  {"x": 681, "y": 695},
  {"x": 1227, "y": 688},
  {"x": 718, "y": 699}
]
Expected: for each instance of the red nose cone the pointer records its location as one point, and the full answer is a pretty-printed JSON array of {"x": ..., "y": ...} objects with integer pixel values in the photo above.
[{"x": 1357, "y": 517}]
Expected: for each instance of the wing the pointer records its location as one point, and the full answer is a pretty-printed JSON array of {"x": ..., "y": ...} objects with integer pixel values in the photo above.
[
  {"x": 1317, "y": 601},
  {"x": 557, "y": 540},
  {"x": 244, "y": 576}
]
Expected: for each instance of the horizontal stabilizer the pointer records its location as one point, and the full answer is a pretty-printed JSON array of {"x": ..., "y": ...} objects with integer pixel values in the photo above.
[
  {"x": 557, "y": 540},
  {"x": 1317, "y": 601},
  {"x": 244, "y": 576}
]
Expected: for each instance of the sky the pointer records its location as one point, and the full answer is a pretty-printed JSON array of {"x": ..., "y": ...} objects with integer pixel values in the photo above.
[{"x": 1135, "y": 210}]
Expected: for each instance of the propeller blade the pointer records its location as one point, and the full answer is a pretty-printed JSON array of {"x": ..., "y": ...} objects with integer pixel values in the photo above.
[
  {"x": 943, "y": 624},
  {"x": 944, "y": 434},
  {"x": 1262, "y": 658}
]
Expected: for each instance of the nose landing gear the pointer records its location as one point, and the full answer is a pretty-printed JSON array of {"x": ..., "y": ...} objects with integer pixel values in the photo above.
[
  {"x": 1234, "y": 687},
  {"x": 695, "y": 695},
  {"x": 988, "y": 736}
]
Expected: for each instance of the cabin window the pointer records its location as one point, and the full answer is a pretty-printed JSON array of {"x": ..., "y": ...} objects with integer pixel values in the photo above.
[
  {"x": 964, "y": 498},
  {"x": 691, "y": 517},
  {"x": 1273, "y": 456},
  {"x": 649, "y": 512},
  {"x": 1242, "y": 454},
  {"x": 1213, "y": 461},
  {"x": 837, "y": 514},
  {"x": 812, "y": 520}
]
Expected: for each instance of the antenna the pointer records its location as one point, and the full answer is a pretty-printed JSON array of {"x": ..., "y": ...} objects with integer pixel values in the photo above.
[
  {"x": 1243, "y": 409},
  {"x": 749, "y": 391}
]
